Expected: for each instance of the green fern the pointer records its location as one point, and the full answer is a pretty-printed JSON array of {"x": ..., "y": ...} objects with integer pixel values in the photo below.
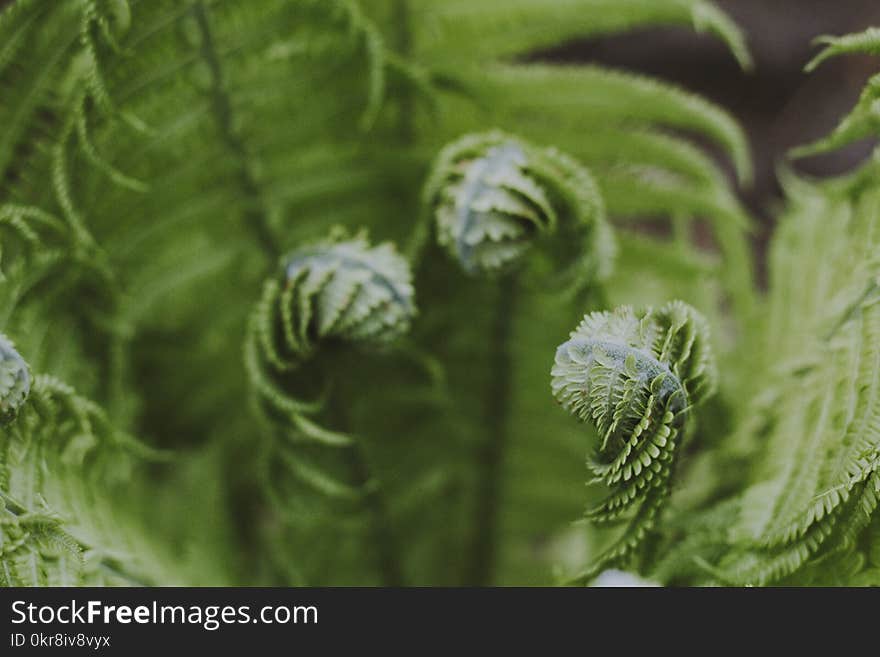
[
  {"x": 634, "y": 375},
  {"x": 159, "y": 159},
  {"x": 338, "y": 290},
  {"x": 56, "y": 531},
  {"x": 812, "y": 426}
]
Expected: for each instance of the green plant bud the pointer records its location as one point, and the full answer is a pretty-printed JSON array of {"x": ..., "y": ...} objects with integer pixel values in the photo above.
[
  {"x": 494, "y": 195},
  {"x": 634, "y": 374},
  {"x": 337, "y": 289}
]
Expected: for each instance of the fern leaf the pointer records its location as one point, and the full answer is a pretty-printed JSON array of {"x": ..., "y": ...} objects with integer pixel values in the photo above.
[
  {"x": 492, "y": 31},
  {"x": 863, "y": 42}
]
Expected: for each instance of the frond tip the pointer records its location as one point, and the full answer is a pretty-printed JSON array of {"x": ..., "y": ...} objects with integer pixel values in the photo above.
[
  {"x": 343, "y": 288},
  {"x": 634, "y": 374},
  {"x": 864, "y": 42},
  {"x": 15, "y": 381},
  {"x": 493, "y": 195},
  {"x": 340, "y": 288}
]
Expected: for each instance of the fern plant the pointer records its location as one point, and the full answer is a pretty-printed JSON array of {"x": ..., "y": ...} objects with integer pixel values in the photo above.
[
  {"x": 209, "y": 374},
  {"x": 635, "y": 375}
]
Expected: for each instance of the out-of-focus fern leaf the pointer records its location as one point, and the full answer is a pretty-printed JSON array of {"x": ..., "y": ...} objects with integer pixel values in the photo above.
[
  {"x": 63, "y": 519},
  {"x": 864, "y": 42},
  {"x": 807, "y": 441},
  {"x": 864, "y": 120},
  {"x": 484, "y": 29},
  {"x": 818, "y": 476},
  {"x": 157, "y": 157},
  {"x": 861, "y": 123}
]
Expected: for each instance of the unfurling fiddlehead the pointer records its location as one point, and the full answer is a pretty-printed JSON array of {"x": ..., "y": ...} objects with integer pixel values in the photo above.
[
  {"x": 494, "y": 195},
  {"x": 634, "y": 374},
  {"x": 15, "y": 381},
  {"x": 494, "y": 198},
  {"x": 338, "y": 290}
]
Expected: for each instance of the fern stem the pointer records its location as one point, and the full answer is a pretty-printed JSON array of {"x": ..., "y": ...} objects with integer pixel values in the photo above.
[
  {"x": 484, "y": 548},
  {"x": 403, "y": 44},
  {"x": 374, "y": 499},
  {"x": 255, "y": 214}
]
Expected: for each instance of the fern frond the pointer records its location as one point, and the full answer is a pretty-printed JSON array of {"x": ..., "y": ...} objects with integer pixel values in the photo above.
[
  {"x": 815, "y": 420},
  {"x": 482, "y": 29},
  {"x": 864, "y": 42},
  {"x": 494, "y": 196},
  {"x": 617, "y": 98},
  {"x": 634, "y": 375},
  {"x": 862, "y": 122},
  {"x": 98, "y": 161},
  {"x": 341, "y": 289},
  {"x": 59, "y": 450}
]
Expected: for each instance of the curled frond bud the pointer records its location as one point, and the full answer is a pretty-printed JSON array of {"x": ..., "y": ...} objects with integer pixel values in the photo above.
[
  {"x": 634, "y": 374},
  {"x": 15, "y": 381},
  {"x": 345, "y": 289},
  {"x": 494, "y": 195},
  {"x": 337, "y": 289},
  {"x": 664, "y": 353}
]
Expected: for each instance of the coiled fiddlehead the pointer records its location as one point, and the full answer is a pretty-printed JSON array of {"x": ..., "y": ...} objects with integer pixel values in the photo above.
[
  {"x": 337, "y": 290},
  {"x": 495, "y": 199},
  {"x": 15, "y": 381},
  {"x": 494, "y": 195},
  {"x": 634, "y": 374}
]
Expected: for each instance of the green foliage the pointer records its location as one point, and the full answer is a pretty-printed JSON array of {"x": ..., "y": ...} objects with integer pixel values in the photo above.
[
  {"x": 810, "y": 432},
  {"x": 64, "y": 469},
  {"x": 159, "y": 158}
]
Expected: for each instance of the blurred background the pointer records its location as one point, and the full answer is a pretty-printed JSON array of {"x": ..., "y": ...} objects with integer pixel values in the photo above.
[{"x": 778, "y": 104}]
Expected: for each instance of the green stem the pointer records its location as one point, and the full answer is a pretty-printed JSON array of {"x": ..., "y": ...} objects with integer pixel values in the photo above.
[
  {"x": 254, "y": 214},
  {"x": 374, "y": 499},
  {"x": 403, "y": 45},
  {"x": 483, "y": 553}
]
